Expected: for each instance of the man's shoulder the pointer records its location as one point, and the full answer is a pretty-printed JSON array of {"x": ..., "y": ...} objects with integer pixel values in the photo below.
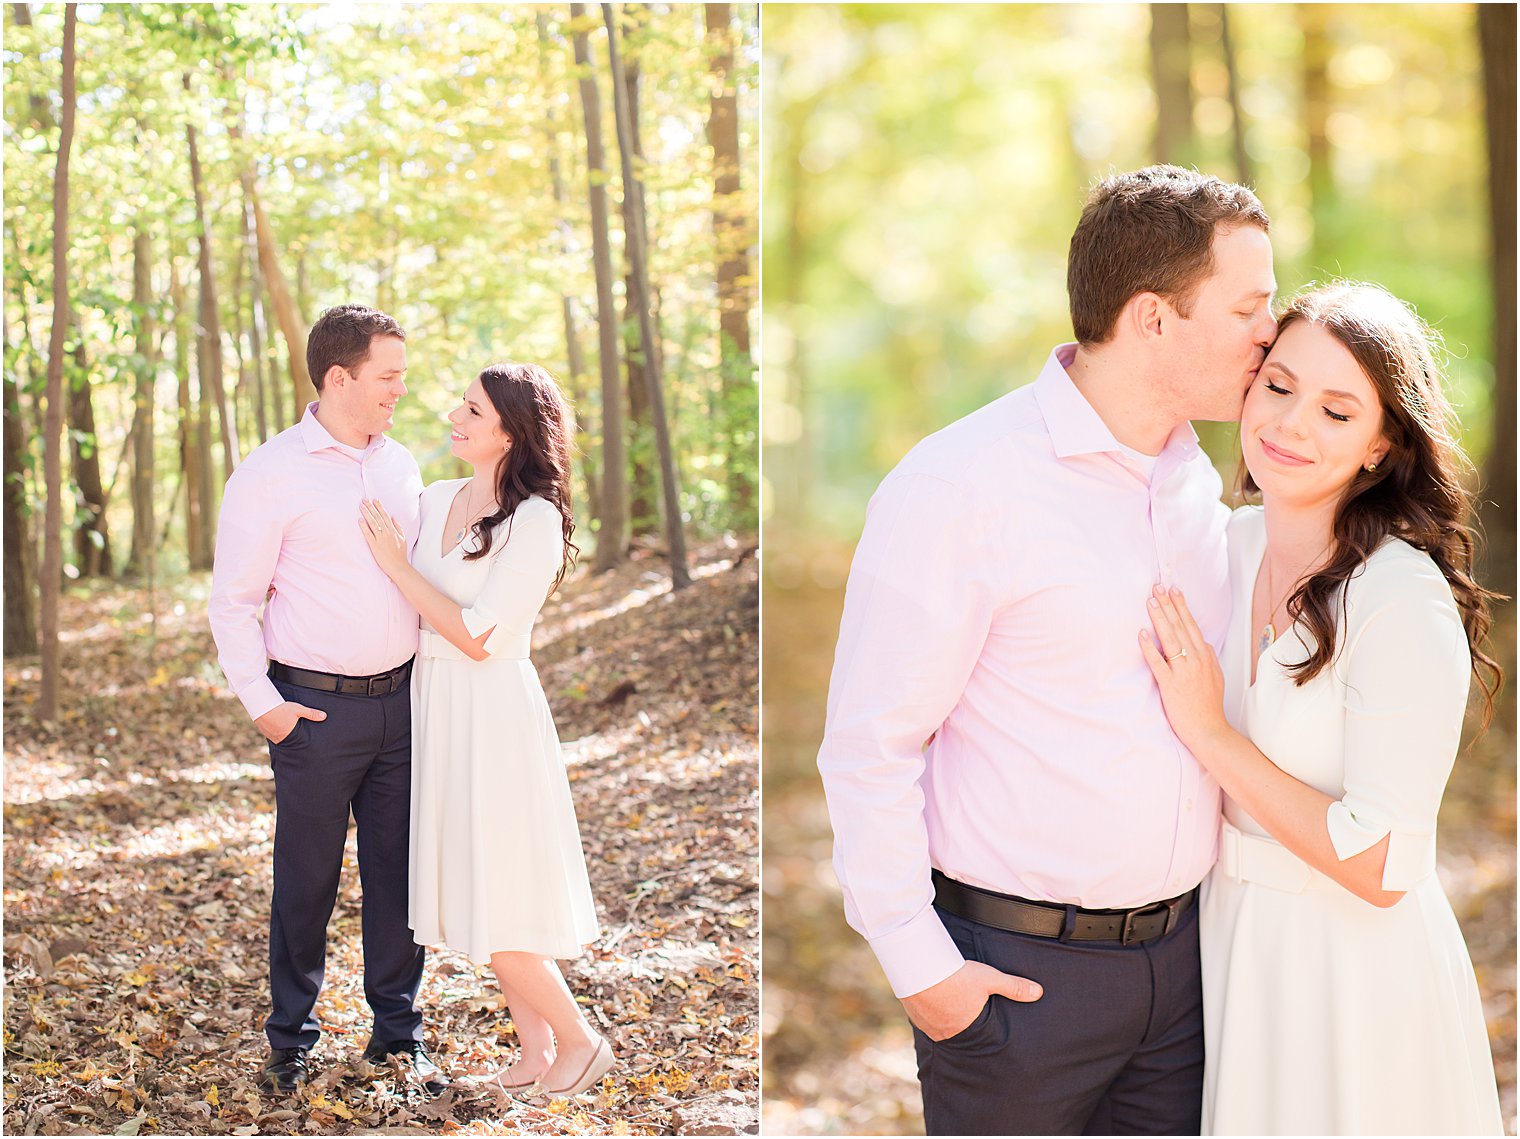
[
  {"x": 271, "y": 456},
  {"x": 998, "y": 435}
]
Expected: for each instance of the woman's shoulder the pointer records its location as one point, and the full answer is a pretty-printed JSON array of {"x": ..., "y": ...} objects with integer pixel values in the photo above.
[
  {"x": 1400, "y": 579},
  {"x": 536, "y": 508}
]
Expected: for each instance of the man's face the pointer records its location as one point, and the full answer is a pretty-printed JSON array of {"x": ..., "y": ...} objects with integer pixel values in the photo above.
[
  {"x": 1215, "y": 352},
  {"x": 370, "y": 392}
]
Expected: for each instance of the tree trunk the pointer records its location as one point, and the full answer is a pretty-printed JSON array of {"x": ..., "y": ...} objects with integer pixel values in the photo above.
[
  {"x": 575, "y": 356},
  {"x": 209, "y": 341},
  {"x": 1243, "y": 172},
  {"x": 1496, "y": 33},
  {"x": 674, "y": 532},
  {"x": 255, "y": 334},
  {"x": 643, "y": 508},
  {"x": 285, "y": 314},
  {"x": 140, "y": 562},
  {"x": 189, "y": 451},
  {"x": 612, "y": 537},
  {"x": 52, "y": 543},
  {"x": 1171, "y": 62},
  {"x": 92, "y": 539},
  {"x": 20, "y": 575},
  {"x": 1315, "y": 78}
]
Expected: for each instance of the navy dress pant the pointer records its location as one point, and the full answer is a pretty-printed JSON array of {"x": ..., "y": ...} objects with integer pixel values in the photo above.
[
  {"x": 359, "y": 759},
  {"x": 1114, "y": 1047}
]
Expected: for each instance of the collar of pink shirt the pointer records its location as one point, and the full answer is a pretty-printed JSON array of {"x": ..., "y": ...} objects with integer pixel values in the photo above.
[
  {"x": 1077, "y": 429},
  {"x": 318, "y": 438}
]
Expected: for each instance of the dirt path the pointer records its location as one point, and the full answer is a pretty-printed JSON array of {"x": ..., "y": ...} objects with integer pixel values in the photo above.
[{"x": 137, "y": 855}]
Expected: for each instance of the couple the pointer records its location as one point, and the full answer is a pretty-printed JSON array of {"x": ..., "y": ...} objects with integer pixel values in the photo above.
[
  {"x": 438, "y": 738},
  {"x": 1041, "y": 591}
]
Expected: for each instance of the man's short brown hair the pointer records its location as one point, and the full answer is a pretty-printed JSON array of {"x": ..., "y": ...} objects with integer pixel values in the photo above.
[
  {"x": 342, "y": 336},
  {"x": 1149, "y": 231}
]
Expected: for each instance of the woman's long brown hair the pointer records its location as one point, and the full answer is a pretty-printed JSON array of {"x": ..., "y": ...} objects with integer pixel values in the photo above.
[
  {"x": 1415, "y": 493},
  {"x": 535, "y": 416}
]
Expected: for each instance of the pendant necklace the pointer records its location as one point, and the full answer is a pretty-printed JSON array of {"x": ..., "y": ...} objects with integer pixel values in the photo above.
[
  {"x": 1269, "y": 630},
  {"x": 468, "y": 518}
]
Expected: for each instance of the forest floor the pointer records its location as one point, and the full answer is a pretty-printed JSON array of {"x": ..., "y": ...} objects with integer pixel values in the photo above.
[
  {"x": 138, "y": 832},
  {"x": 838, "y": 1051}
]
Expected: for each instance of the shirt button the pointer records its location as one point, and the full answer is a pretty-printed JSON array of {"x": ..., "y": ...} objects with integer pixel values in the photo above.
[{"x": 1190, "y": 804}]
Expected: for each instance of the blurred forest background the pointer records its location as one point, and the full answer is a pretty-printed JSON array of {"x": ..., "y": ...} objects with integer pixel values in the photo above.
[
  {"x": 924, "y": 167},
  {"x": 187, "y": 186}
]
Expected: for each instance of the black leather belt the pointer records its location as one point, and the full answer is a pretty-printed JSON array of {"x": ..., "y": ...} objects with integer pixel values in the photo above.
[
  {"x": 381, "y": 684},
  {"x": 1047, "y": 919}
]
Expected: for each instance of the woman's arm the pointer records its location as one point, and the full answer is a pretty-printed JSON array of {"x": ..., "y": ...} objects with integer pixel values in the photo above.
[
  {"x": 1292, "y": 812},
  {"x": 441, "y": 612}
]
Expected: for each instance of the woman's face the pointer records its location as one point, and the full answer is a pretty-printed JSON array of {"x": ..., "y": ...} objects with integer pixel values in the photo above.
[
  {"x": 1311, "y": 419},
  {"x": 477, "y": 437}
]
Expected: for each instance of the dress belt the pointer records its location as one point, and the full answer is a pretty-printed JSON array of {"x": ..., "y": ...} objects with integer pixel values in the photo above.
[
  {"x": 435, "y": 646},
  {"x": 1251, "y": 858}
]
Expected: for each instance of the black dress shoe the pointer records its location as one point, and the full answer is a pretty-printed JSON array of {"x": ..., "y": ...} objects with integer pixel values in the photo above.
[
  {"x": 434, "y": 1082},
  {"x": 285, "y": 1069}
]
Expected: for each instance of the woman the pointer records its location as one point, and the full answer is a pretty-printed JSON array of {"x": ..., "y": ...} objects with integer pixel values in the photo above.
[
  {"x": 1338, "y": 994},
  {"x": 497, "y": 870}
]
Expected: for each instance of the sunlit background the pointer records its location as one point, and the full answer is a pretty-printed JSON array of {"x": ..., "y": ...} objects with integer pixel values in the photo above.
[{"x": 924, "y": 167}]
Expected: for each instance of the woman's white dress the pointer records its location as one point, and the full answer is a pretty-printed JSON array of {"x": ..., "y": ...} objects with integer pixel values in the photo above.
[
  {"x": 1325, "y": 1015},
  {"x": 496, "y": 860}
]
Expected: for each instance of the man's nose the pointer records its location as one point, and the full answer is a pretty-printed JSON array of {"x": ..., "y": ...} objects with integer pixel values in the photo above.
[{"x": 1266, "y": 331}]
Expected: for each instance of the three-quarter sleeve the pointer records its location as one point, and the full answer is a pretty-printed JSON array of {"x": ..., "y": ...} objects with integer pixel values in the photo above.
[
  {"x": 525, "y": 555},
  {"x": 1406, "y": 667}
]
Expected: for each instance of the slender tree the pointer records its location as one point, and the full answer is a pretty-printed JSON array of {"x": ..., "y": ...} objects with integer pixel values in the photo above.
[
  {"x": 1243, "y": 172},
  {"x": 209, "y": 338},
  {"x": 52, "y": 545},
  {"x": 291, "y": 326},
  {"x": 92, "y": 538},
  {"x": 675, "y": 535},
  {"x": 1496, "y": 33},
  {"x": 20, "y": 575},
  {"x": 1314, "y": 76},
  {"x": 612, "y": 538},
  {"x": 575, "y": 354},
  {"x": 730, "y": 232},
  {"x": 145, "y": 367},
  {"x": 1171, "y": 63}
]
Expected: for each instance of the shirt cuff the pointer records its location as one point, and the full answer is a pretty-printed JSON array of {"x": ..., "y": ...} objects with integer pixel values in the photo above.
[
  {"x": 918, "y": 955},
  {"x": 1411, "y": 855},
  {"x": 261, "y": 696},
  {"x": 477, "y": 619}
]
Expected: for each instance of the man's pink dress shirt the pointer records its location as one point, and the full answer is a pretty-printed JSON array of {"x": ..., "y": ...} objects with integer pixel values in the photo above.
[
  {"x": 994, "y": 603},
  {"x": 290, "y": 517}
]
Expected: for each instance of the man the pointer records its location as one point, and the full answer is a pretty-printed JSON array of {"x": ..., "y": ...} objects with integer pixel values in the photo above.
[
  {"x": 327, "y": 680},
  {"x": 1027, "y": 878}
]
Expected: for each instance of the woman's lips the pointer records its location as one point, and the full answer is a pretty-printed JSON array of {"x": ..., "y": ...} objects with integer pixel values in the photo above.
[{"x": 1287, "y": 458}]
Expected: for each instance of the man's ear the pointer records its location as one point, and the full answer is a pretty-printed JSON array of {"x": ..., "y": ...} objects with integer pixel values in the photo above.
[
  {"x": 1146, "y": 312},
  {"x": 335, "y": 375}
]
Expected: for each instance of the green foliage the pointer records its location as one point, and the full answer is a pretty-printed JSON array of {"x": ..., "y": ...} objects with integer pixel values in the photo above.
[
  {"x": 403, "y": 155},
  {"x": 925, "y": 166}
]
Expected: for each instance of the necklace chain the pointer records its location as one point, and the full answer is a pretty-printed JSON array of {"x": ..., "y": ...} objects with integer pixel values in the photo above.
[
  {"x": 1269, "y": 630},
  {"x": 469, "y": 516}
]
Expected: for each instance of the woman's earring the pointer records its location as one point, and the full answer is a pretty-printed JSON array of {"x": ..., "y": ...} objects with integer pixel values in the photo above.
[{"x": 1372, "y": 467}]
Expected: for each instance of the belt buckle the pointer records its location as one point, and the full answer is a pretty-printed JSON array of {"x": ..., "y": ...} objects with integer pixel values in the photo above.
[
  {"x": 1127, "y": 935},
  {"x": 385, "y": 681}
]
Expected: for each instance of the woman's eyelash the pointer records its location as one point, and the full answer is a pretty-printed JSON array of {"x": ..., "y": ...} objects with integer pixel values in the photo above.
[
  {"x": 1271, "y": 387},
  {"x": 1337, "y": 418}
]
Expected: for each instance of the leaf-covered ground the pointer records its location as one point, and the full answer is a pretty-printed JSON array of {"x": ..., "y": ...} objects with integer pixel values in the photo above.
[
  {"x": 838, "y": 1051},
  {"x": 137, "y": 855}
]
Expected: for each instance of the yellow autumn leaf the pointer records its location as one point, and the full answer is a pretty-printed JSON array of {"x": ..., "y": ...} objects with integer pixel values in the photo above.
[
  {"x": 339, "y": 1109},
  {"x": 212, "y": 1098},
  {"x": 136, "y": 978}
]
